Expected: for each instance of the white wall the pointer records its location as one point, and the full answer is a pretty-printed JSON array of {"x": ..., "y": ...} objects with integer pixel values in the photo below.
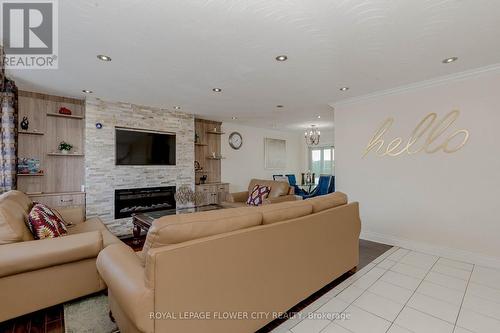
[
  {"x": 441, "y": 203},
  {"x": 239, "y": 166}
]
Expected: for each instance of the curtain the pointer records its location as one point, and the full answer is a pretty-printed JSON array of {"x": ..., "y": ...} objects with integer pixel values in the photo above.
[{"x": 8, "y": 131}]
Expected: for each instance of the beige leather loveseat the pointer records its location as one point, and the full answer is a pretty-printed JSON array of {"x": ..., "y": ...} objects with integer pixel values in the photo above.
[
  {"x": 280, "y": 191},
  {"x": 36, "y": 274},
  {"x": 197, "y": 269}
]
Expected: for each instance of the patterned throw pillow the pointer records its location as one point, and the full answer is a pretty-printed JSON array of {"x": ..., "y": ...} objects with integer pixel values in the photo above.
[
  {"x": 258, "y": 194},
  {"x": 45, "y": 223}
]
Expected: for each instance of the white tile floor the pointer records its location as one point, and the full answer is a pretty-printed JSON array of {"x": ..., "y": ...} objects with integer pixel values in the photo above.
[{"x": 404, "y": 291}]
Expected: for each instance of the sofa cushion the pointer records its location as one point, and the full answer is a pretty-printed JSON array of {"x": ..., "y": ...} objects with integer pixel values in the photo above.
[
  {"x": 327, "y": 201},
  {"x": 45, "y": 223},
  {"x": 277, "y": 188},
  {"x": 284, "y": 211},
  {"x": 14, "y": 209},
  {"x": 180, "y": 228},
  {"x": 257, "y": 195},
  {"x": 94, "y": 224}
]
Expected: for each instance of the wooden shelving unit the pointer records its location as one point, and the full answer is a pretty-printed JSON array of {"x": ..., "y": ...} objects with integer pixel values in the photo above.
[
  {"x": 209, "y": 135},
  {"x": 30, "y": 174},
  {"x": 63, "y": 174}
]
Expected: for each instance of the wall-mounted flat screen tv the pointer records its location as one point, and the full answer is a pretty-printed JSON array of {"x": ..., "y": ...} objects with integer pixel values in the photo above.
[{"x": 138, "y": 147}]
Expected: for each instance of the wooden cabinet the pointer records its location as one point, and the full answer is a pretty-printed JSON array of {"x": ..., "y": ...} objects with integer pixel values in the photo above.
[
  {"x": 213, "y": 193},
  {"x": 60, "y": 200}
]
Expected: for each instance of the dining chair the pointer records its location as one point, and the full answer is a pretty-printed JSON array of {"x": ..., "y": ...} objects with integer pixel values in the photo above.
[{"x": 322, "y": 188}]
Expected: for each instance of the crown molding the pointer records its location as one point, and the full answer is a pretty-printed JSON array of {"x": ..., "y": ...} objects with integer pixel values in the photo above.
[{"x": 419, "y": 85}]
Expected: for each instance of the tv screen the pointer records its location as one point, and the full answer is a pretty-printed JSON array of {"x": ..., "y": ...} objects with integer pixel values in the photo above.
[{"x": 135, "y": 147}]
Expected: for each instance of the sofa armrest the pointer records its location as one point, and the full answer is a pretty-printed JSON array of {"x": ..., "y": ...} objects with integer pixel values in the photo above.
[
  {"x": 28, "y": 256},
  {"x": 71, "y": 215},
  {"x": 279, "y": 199},
  {"x": 237, "y": 197},
  {"x": 123, "y": 273}
]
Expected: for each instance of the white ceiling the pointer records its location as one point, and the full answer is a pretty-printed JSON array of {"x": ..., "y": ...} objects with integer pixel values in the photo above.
[{"x": 168, "y": 53}]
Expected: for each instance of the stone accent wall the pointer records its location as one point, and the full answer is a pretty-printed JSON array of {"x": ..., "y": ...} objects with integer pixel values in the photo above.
[{"x": 102, "y": 176}]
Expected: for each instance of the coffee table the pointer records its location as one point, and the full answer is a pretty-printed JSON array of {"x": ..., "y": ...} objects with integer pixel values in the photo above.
[{"x": 143, "y": 221}]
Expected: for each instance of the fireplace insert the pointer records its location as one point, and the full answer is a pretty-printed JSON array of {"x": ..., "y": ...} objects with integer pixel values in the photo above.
[{"x": 140, "y": 200}]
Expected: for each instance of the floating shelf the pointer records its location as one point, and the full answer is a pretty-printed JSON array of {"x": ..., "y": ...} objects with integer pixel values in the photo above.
[
  {"x": 31, "y": 133},
  {"x": 47, "y": 194},
  {"x": 215, "y": 158},
  {"x": 61, "y": 154},
  {"x": 31, "y": 174},
  {"x": 215, "y": 132},
  {"x": 200, "y": 144},
  {"x": 200, "y": 171},
  {"x": 64, "y": 115}
]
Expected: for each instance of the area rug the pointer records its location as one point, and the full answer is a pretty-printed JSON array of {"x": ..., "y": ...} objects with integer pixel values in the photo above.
[{"x": 88, "y": 315}]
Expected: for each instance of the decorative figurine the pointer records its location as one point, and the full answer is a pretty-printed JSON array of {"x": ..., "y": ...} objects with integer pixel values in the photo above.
[
  {"x": 65, "y": 111},
  {"x": 25, "y": 124}
]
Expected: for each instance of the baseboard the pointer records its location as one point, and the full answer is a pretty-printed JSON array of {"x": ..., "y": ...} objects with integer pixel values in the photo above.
[{"x": 451, "y": 253}]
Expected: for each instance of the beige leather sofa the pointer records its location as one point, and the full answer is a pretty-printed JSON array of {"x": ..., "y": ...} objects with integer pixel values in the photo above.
[
  {"x": 195, "y": 269},
  {"x": 280, "y": 192},
  {"x": 36, "y": 274}
]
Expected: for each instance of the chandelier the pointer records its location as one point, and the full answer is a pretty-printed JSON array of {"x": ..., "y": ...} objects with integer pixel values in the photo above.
[{"x": 312, "y": 135}]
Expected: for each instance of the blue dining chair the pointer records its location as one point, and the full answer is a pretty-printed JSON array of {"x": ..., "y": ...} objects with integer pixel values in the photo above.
[
  {"x": 331, "y": 189},
  {"x": 293, "y": 182},
  {"x": 322, "y": 188}
]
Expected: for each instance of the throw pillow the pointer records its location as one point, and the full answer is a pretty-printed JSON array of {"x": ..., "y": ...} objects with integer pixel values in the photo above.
[
  {"x": 258, "y": 194},
  {"x": 45, "y": 223}
]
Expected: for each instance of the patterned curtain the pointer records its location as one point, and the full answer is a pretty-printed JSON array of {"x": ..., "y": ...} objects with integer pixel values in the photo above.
[{"x": 8, "y": 131}]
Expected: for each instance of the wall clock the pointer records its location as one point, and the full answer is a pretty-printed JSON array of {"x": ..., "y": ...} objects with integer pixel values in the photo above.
[{"x": 235, "y": 140}]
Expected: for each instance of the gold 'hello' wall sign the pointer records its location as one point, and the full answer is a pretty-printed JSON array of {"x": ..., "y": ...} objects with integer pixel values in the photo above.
[{"x": 428, "y": 137}]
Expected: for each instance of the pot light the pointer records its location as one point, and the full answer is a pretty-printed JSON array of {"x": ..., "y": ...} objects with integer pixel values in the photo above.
[
  {"x": 103, "y": 57},
  {"x": 281, "y": 58},
  {"x": 319, "y": 117},
  {"x": 217, "y": 89},
  {"x": 344, "y": 89},
  {"x": 279, "y": 106},
  {"x": 450, "y": 60},
  {"x": 234, "y": 118},
  {"x": 177, "y": 107},
  {"x": 87, "y": 91}
]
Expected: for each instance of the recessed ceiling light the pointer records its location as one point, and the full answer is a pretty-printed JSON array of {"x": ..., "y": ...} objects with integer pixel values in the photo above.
[
  {"x": 103, "y": 57},
  {"x": 281, "y": 58},
  {"x": 177, "y": 107},
  {"x": 319, "y": 117},
  {"x": 87, "y": 91},
  {"x": 234, "y": 118},
  {"x": 279, "y": 106},
  {"x": 450, "y": 60},
  {"x": 344, "y": 88},
  {"x": 217, "y": 89}
]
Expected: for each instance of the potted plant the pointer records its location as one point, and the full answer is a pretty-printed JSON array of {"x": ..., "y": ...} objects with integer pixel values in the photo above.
[{"x": 65, "y": 147}]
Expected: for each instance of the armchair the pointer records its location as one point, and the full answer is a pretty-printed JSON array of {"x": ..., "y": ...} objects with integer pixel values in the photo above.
[{"x": 42, "y": 270}]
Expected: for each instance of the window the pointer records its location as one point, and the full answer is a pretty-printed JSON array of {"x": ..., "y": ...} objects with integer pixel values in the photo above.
[{"x": 321, "y": 161}]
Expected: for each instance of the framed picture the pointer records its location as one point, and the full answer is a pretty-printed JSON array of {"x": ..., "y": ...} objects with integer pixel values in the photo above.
[{"x": 275, "y": 154}]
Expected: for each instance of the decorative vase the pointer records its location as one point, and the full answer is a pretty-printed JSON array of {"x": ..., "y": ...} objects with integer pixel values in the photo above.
[{"x": 64, "y": 151}]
